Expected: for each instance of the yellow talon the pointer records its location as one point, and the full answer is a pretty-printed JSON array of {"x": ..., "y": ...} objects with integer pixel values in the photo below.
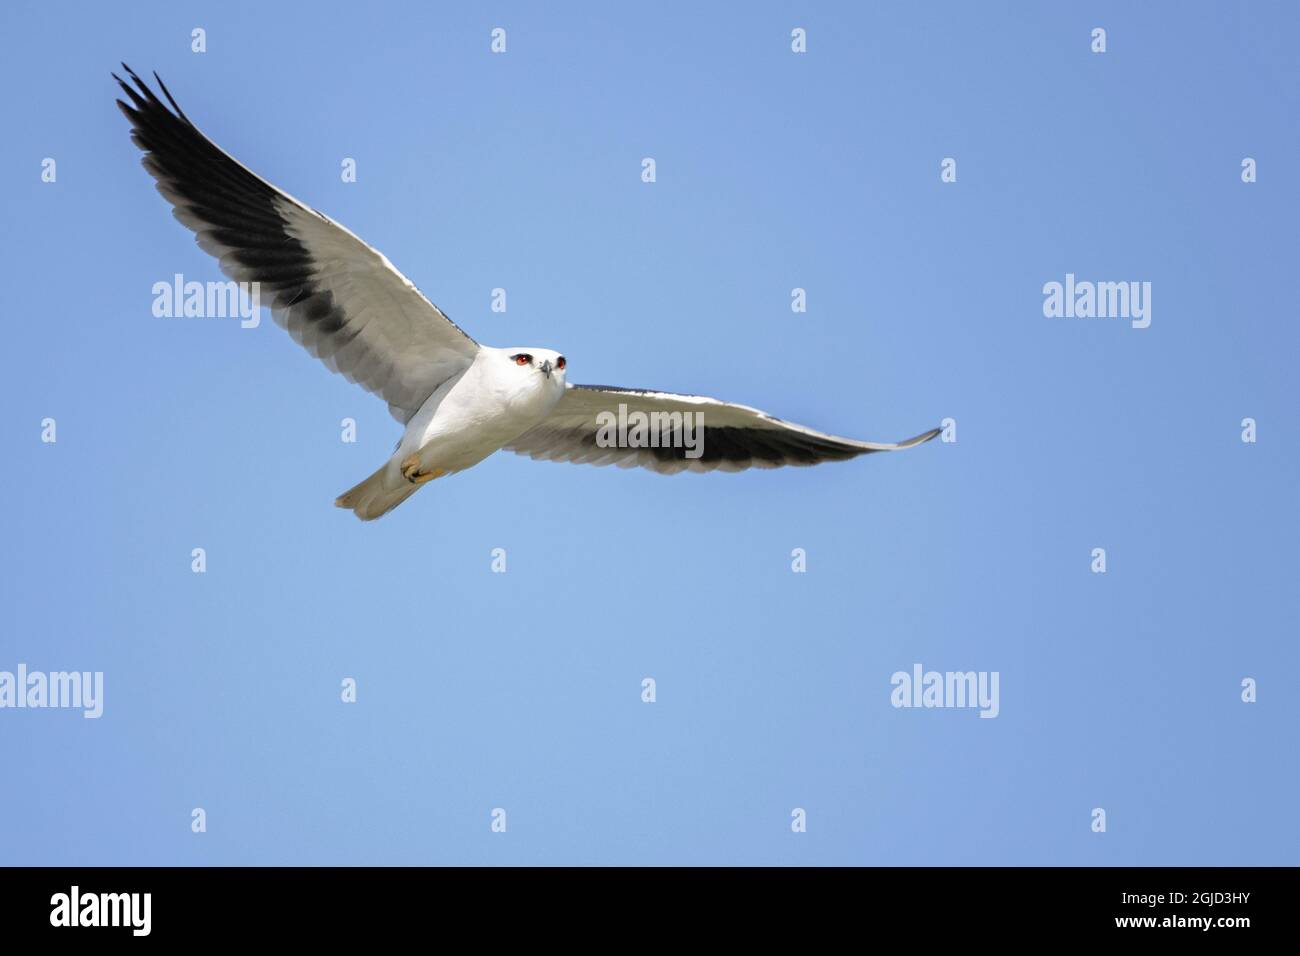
[{"x": 411, "y": 471}]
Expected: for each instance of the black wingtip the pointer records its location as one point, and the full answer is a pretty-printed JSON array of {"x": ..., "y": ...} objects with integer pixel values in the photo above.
[
  {"x": 142, "y": 95},
  {"x": 123, "y": 83},
  {"x": 167, "y": 93}
]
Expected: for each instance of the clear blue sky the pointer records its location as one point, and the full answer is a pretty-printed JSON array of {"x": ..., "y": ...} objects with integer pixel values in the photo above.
[{"x": 523, "y": 690}]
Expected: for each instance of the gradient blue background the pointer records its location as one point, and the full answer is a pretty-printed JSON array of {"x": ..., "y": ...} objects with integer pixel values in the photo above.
[{"x": 481, "y": 690}]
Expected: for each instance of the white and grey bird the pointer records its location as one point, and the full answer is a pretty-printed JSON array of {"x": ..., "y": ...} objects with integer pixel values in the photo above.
[{"x": 460, "y": 401}]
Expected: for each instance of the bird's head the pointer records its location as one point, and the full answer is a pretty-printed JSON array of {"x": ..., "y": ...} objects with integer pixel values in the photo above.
[{"x": 530, "y": 371}]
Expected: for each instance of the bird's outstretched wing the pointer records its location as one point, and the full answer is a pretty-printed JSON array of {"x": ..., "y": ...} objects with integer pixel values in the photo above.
[
  {"x": 338, "y": 297},
  {"x": 728, "y": 437}
]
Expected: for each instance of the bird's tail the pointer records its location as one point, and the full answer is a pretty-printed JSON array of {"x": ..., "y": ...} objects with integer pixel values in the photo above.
[{"x": 377, "y": 495}]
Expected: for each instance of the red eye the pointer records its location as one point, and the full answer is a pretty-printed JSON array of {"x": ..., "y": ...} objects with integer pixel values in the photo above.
[
  {"x": 523, "y": 359},
  {"x": 560, "y": 363}
]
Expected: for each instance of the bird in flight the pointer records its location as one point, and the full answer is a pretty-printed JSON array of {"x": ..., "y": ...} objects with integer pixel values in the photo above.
[{"x": 460, "y": 401}]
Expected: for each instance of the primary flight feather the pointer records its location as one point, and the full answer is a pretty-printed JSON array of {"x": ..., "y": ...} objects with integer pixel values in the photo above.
[{"x": 460, "y": 401}]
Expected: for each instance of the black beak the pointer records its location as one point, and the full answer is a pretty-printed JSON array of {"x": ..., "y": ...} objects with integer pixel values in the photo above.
[{"x": 545, "y": 368}]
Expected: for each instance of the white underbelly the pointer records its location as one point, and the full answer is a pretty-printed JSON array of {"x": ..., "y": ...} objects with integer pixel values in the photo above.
[
  {"x": 463, "y": 448},
  {"x": 453, "y": 435}
]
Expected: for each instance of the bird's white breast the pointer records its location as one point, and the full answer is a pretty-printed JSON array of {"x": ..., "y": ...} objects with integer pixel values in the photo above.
[{"x": 474, "y": 414}]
